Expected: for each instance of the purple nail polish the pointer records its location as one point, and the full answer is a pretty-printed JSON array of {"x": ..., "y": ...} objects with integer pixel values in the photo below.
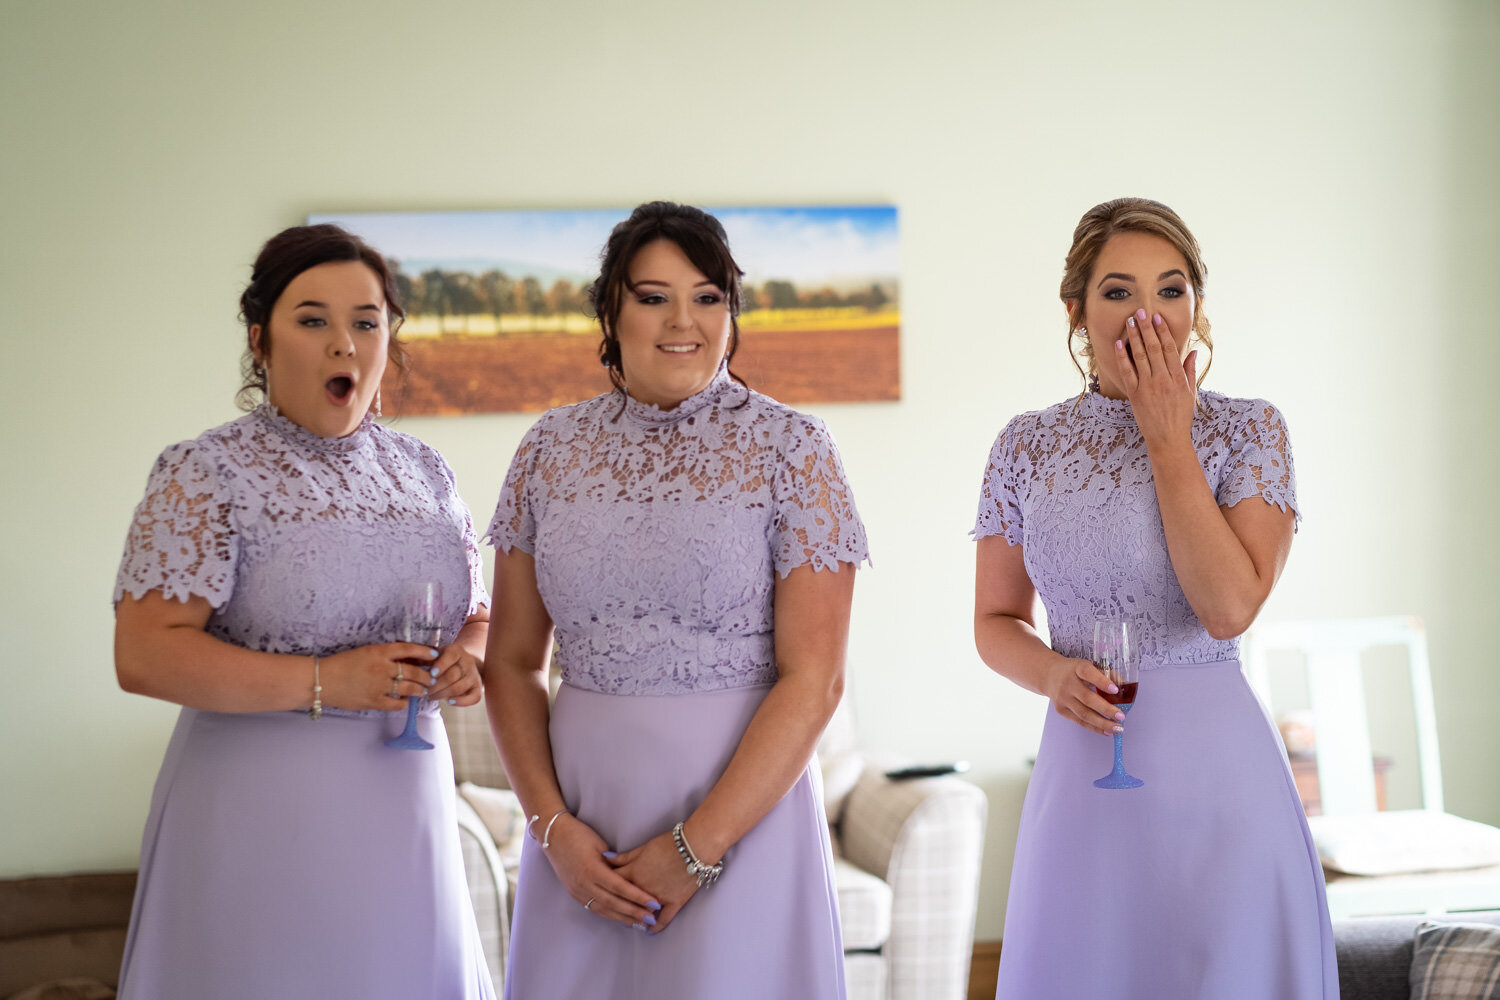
[
  {"x": 1141, "y": 314},
  {"x": 650, "y": 920},
  {"x": 432, "y": 654},
  {"x": 611, "y": 854},
  {"x": 654, "y": 905},
  {"x": 1156, "y": 319},
  {"x": 1114, "y": 689},
  {"x": 434, "y": 671},
  {"x": 1119, "y": 716}
]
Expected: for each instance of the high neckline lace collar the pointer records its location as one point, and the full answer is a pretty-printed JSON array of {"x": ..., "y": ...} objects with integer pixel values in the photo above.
[
  {"x": 654, "y": 416},
  {"x": 1110, "y": 411},
  {"x": 300, "y": 435}
]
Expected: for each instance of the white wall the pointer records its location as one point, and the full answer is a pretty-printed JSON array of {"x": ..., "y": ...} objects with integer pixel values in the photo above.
[{"x": 1336, "y": 161}]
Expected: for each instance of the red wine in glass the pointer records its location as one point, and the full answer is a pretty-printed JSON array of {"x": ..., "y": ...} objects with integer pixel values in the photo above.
[
  {"x": 1116, "y": 653},
  {"x": 421, "y": 621},
  {"x": 1126, "y": 695}
]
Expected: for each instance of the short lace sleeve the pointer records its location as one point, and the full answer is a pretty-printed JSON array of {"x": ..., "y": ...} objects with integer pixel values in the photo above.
[
  {"x": 815, "y": 521},
  {"x": 182, "y": 539},
  {"x": 514, "y": 525},
  {"x": 1260, "y": 462},
  {"x": 479, "y": 595},
  {"x": 999, "y": 498}
]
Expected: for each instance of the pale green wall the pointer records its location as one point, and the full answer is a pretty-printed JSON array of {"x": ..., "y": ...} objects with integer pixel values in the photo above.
[{"x": 1336, "y": 161}]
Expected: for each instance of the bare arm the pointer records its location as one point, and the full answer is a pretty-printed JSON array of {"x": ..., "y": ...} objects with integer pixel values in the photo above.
[
  {"x": 1006, "y": 637},
  {"x": 162, "y": 651},
  {"x": 1226, "y": 559},
  {"x": 811, "y": 612},
  {"x": 515, "y": 687}
]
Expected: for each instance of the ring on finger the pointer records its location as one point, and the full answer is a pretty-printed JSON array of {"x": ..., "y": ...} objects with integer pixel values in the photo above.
[{"x": 590, "y": 903}]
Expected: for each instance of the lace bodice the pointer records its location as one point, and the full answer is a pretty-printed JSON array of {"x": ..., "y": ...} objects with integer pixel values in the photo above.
[
  {"x": 300, "y": 542},
  {"x": 1072, "y": 484},
  {"x": 657, "y": 534}
]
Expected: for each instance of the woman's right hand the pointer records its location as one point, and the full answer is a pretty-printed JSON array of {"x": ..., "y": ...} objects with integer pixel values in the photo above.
[
  {"x": 1069, "y": 688},
  {"x": 576, "y": 853},
  {"x": 375, "y": 676}
]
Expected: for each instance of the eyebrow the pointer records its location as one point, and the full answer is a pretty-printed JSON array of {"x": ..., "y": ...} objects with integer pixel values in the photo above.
[
  {"x": 1130, "y": 277},
  {"x": 665, "y": 284},
  {"x": 323, "y": 305}
]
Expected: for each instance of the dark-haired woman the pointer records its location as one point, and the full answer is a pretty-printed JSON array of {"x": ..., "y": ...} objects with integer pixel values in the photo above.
[
  {"x": 1150, "y": 500},
  {"x": 693, "y": 543},
  {"x": 288, "y": 853}
]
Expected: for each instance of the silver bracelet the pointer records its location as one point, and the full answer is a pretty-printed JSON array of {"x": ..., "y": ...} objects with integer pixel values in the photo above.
[
  {"x": 316, "y": 712},
  {"x": 705, "y": 873},
  {"x": 547, "y": 832}
]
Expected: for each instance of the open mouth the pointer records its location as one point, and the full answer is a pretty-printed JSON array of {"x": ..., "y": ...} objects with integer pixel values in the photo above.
[
  {"x": 678, "y": 348},
  {"x": 339, "y": 389}
]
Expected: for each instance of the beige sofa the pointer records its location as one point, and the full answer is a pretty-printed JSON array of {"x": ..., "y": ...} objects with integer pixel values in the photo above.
[{"x": 906, "y": 867}]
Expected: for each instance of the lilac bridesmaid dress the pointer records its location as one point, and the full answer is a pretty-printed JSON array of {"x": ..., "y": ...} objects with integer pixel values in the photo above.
[
  {"x": 285, "y": 857},
  {"x": 1203, "y": 882},
  {"x": 657, "y": 537}
]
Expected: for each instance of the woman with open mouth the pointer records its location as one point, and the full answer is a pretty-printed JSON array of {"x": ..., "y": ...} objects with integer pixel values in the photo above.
[
  {"x": 692, "y": 545},
  {"x": 288, "y": 853}
]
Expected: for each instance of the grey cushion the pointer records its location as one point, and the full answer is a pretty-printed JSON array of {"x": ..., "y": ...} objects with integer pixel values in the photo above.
[{"x": 1375, "y": 953}]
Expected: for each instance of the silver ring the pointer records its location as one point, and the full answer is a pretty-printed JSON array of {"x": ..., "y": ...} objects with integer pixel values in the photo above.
[
  {"x": 395, "y": 682},
  {"x": 590, "y": 903}
]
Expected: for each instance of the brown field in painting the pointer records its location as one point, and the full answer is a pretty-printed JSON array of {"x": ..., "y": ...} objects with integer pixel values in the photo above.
[{"x": 453, "y": 375}]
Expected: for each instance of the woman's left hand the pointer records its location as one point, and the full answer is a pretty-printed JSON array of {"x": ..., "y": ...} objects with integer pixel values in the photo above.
[
  {"x": 457, "y": 677},
  {"x": 1163, "y": 392},
  {"x": 656, "y": 867}
]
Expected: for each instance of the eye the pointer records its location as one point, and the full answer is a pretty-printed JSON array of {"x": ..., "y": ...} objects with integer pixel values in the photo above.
[
  {"x": 1173, "y": 292},
  {"x": 710, "y": 298},
  {"x": 651, "y": 299},
  {"x": 312, "y": 321},
  {"x": 1118, "y": 294},
  {"x": 366, "y": 324}
]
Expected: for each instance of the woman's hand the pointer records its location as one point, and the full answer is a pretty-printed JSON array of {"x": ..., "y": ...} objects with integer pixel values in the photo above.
[
  {"x": 456, "y": 676},
  {"x": 1163, "y": 392},
  {"x": 376, "y": 676},
  {"x": 577, "y": 855},
  {"x": 657, "y": 867},
  {"x": 1069, "y": 687}
]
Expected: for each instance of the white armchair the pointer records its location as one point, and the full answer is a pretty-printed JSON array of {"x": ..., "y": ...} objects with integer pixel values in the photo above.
[{"x": 906, "y": 861}]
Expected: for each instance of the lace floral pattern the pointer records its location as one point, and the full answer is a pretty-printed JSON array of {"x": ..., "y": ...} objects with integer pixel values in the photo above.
[
  {"x": 1072, "y": 484},
  {"x": 300, "y": 542},
  {"x": 658, "y": 534}
]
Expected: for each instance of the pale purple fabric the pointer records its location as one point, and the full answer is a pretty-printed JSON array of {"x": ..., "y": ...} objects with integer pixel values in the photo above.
[
  {"x": 1204, "y": 881},
  {"x": 286, "y": 857},
  {"x": 658, "y": 538}
]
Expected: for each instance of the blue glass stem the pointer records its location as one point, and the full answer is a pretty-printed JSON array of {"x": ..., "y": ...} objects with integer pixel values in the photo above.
[
  {"x": 409, "y": 738},
  {"x": 1119, "y": 755}
]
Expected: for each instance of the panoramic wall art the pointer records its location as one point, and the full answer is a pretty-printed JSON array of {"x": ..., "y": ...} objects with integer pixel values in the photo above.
[{"x": 498, "y": 317}]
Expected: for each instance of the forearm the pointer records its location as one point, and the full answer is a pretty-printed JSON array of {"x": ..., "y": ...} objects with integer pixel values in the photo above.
[
  {"x": 516, "y": 698},
  {"x": 1011, "y": 647},
  {"x": 1213, "y": 567},
  {"x": 187, "y": 666},
  {"x": 474, "y": 638},
  {"x": 771, "y": 757}
]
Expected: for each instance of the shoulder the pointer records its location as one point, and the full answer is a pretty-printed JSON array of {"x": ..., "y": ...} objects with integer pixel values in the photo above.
[
  {"x": 563, "y": 423},
  {"x": 1240, "y": 414},
  {"x": 1031, "y": 425},
  {"x": 789, "y": 430},
  {"x": 411, "y": 450},
  {"x": 212, "y": 449}
]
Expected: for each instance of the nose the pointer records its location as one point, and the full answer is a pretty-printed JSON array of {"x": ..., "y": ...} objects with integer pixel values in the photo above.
[
  {"x": 340, "y": 342},
  {"x": 681, "y": 316}
]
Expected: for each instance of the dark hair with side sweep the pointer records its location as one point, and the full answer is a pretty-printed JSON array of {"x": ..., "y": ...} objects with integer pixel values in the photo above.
[
  {"x": 288, "y": 254},
  {"x": 1130, "y": 215},
  {"x": 699, "y": 236}
]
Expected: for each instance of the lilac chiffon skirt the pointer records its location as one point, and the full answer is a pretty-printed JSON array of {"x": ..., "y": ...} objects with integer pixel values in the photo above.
[
  {"x": 631, "y": 767},
  {"x": 1202, "y": 883},
  {"x": 295, "y": 859}
]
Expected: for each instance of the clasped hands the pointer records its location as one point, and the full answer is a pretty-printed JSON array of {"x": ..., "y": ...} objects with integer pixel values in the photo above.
[
  {"x": 384, "y": 675},
  {"x": 1162, "y": 390},
  {"x": 643, "y": 888}
]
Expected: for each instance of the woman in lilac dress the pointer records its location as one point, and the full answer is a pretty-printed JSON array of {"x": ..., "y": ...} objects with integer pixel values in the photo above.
[
  {"x": 694, "y": 544},
  {"x": 288, "y": 853},
  {"x": 1149, "y": 499}
]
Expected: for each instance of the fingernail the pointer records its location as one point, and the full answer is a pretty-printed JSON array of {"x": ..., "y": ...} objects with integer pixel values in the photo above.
[
  {"x": 1119, "y": 729},
  {"x": 1119, "y": 345},
  {"x": 1130, "y": 322},
  {"x": 432, "y": 654},
  {"x": 1119, "y": 716},
  {"x": 611, "y": 854},
  {"x": 1141, "y": 314},
  {"x": 453, "y": 701},
  {"x": 654, "y": 905},
  {"x": 639, "y": 927},
  {"x": 1114, "y": 689},
  {"x": 649, "y": 919},
  {"x": 1156, "y": 319},
  {"x": 434, "y": 671}
]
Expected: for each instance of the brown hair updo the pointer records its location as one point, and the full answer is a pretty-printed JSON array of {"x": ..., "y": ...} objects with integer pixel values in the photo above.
[
  {"x": 1129, "y": 215},
  {"x": 699, "y": 236},
  {"x": 286, "y": 255}
]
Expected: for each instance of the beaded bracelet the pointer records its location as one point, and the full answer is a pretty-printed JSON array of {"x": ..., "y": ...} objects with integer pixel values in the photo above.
[
  {"x": 316, "y": 712},
  {"x": 705, "y": 873}
]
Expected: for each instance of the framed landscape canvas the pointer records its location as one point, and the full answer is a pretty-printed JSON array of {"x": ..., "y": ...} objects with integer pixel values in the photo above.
[{"x": 498, "y": 317}]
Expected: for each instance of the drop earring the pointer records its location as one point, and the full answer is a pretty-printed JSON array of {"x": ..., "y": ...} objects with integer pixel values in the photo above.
[{"x": 377, "y": 401}]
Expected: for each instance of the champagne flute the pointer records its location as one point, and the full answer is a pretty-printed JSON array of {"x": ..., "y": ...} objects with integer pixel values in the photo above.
[
  {"x": 421, "y": 622},
  {"x": 1117, "y": 654}
]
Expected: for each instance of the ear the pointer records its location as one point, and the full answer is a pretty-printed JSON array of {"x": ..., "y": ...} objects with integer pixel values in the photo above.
[
  {"x": 1074, "y": 310},
  {"x": 255, "y": 348}
]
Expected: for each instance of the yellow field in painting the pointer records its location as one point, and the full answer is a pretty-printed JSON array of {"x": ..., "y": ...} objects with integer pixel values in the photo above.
[{"x": 769, "y": 320}]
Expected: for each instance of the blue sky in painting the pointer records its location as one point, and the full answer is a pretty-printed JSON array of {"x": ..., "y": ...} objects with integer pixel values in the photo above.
[{"x": 815, "y": 244}]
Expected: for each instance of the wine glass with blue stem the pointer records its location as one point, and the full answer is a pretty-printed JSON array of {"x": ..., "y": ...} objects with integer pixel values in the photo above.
[
  {"x": 1117, "y": 653},
  {"x": 421, "y": 622}
]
